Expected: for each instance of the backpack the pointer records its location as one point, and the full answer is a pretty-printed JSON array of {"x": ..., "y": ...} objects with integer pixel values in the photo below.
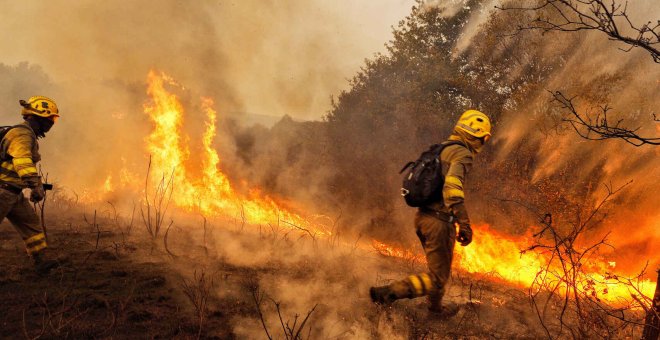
[
  {"x": 422, "y": 184},
  {"x": 3, "y": 132}
]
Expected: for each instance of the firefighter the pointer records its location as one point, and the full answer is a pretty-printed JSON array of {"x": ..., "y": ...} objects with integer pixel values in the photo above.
[
  {"x": 19, "y": 153},
  {"x": 436, "y": 223}
]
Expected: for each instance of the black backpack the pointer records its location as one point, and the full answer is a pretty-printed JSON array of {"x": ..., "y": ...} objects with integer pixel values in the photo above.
[
  {"x": 3, "y": 132},
  {"x": 423, "y": 183}
]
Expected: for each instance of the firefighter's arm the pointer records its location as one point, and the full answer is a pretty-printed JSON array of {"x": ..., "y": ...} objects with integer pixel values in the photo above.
[
  {"x": 460, "y": 163},
  {"x": 20, "y": 149}
]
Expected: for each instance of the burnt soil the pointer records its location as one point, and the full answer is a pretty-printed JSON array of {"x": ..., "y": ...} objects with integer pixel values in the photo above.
[
  {"x": 115, "y": 283},
  {"x": 108, "y": 285}
]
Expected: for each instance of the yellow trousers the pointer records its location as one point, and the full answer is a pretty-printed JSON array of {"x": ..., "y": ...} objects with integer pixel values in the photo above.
[
  {"x": 17, "y": 209},
  {"x": 437, "y": 238}
]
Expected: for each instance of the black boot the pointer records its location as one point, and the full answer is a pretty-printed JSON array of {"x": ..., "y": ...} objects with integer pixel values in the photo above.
[
  {"x": 388, "y": 294},
  {"x": 42, "y": 265},
  {"x": 382, "y": 295}
]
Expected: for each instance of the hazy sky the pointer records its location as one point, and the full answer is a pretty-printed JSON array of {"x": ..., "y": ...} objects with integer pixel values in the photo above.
[{"x": 259, "y": 56}]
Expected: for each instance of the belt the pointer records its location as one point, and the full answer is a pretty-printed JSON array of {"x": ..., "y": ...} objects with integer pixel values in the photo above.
[
  {"x": 11, "y": 188},
  {"x": 441, "y": 215}
]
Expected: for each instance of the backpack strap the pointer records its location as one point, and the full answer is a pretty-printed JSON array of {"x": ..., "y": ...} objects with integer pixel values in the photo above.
[{"x": 406, "y": 167}]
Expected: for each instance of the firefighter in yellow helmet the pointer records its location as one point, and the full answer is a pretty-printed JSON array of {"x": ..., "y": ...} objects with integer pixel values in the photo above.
[
  {"x": 436, "y": 223},
  {"x": 19, "y": 154}
]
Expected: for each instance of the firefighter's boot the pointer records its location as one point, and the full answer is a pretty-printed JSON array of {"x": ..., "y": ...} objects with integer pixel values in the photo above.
[
  {"x": 385, "y": 295},
  {"x": 43, "y": 265}
]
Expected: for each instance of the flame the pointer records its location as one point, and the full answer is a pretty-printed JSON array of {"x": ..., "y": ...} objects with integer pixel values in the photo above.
[
  {"x": 210, "y": 192},
  {"x": 389, "y": 250},
  {"x": 107, "y": 185},
  {"x": 501, "y": 256}
]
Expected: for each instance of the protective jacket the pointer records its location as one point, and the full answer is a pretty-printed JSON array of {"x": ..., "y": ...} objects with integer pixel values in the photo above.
[{"x": 19, "y": 153}]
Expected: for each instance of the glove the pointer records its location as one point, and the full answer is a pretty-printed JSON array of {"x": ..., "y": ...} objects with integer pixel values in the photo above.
[
  {"x": 38, "y": 193},
  {"x": 464, "y": 229},
  {"x": 464, "y": 234}
]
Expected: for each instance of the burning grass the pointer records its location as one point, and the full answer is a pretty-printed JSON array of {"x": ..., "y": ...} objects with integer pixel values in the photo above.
[{"x": 210, "y": 193}]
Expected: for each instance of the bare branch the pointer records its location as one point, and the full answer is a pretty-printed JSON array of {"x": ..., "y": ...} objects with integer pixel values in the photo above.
[
  {"x": 597, "y": 126},
  {"x": 564, "y": 294},
  {"x": 607, "y": 16}
]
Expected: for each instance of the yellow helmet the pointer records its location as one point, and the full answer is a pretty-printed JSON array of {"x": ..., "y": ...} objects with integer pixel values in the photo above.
[
  {"x": 40, "y": 106},
  {"x": 474, "y": 123}
]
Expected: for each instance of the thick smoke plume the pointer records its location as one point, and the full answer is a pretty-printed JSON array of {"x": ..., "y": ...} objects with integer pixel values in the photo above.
[{"x": 256, "y": 59}]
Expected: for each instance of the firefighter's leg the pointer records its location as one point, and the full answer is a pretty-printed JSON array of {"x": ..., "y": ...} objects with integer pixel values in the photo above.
[
  {"x": 438, "y": 238},
  {"x": 392, "y": 292},
  {"x": 416, "y": 285},
  {"x": 26, "y": 222},
  {"x": 7, "y": 201}
]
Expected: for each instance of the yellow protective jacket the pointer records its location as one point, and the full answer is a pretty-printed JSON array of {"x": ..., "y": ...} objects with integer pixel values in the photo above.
[{"x": 19, "y": 154}]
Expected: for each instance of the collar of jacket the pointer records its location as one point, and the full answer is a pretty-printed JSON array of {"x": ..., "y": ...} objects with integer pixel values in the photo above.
[{"x": 473, "y": 144}]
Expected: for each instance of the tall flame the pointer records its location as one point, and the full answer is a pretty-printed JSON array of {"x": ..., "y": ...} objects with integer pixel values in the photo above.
[{"x": 211, "y": 193}]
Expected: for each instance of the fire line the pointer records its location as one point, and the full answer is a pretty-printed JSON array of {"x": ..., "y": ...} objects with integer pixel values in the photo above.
[{"x": 212, "y": 194}]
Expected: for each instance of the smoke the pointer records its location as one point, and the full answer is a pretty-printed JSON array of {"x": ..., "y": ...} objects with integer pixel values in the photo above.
[
  {"x": 254, "y": 58},
  {"x": 599, "y": 74},
  {"x": 263, "y": 57}
]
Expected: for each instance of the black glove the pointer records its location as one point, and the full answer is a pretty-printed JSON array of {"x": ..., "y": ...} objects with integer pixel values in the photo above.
[
  {"x": 464, "y": 234},
  {"x": 464, "y": 229},
  {"x": 38, "y": 193}
]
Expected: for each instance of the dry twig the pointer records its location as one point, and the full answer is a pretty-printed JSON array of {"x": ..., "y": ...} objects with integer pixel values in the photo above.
[
  {"x": 597, "y": 126},
  {"x": 197, "y": 290},
  {"x": 607, "y": 16}
]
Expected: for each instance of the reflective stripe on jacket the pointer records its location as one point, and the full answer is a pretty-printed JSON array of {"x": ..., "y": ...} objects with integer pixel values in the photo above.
[
  {"x": 19, "y": 153},
  {"x": 456, "y": 163}
]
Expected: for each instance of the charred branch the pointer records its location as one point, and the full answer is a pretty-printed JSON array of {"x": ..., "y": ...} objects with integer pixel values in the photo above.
[
  {"x": 291, "y": 331},
  {"x": 156, "y": 204},
  {"x": 167, "y": 232},
  {"x": 565, "y": 297},
  {"x": 197, "y": 290},
  {"x": 597, "y": 126},
  {"x": 607, "y": 16}
]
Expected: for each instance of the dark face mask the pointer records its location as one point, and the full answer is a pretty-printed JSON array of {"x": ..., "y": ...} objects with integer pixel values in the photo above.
[
  {"x": 45, "y": 124},
  {"x": 40, "y": 125}
]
